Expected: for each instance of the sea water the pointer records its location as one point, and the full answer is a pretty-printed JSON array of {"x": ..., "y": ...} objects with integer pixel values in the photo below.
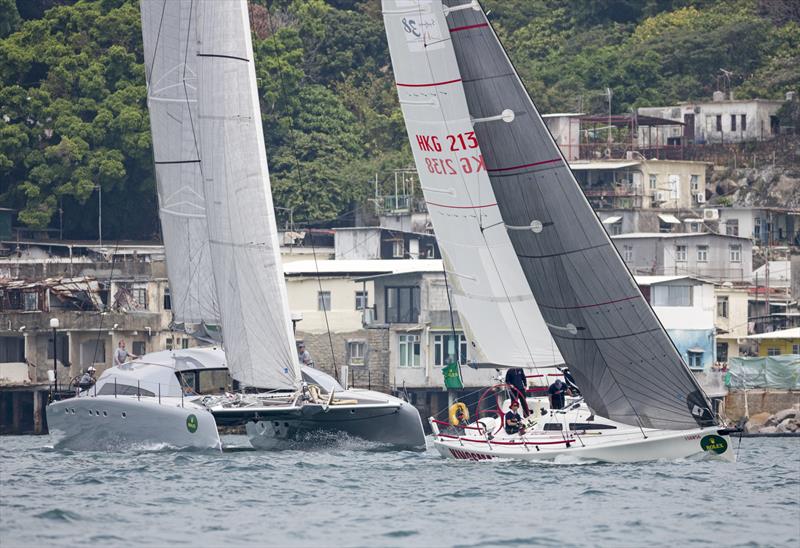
[{"x": 349, "y": 493}]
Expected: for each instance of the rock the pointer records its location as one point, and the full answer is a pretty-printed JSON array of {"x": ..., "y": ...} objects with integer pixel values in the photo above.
[
  {"x": 784, "y": 426},
  {"x": 758, "y": 419},
  {"x": 768, "y": 430},
  {"x": 794, "y": 426},
  {"x": 781, "y": 416}
]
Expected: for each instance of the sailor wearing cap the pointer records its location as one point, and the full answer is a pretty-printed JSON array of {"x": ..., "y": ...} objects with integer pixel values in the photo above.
[{"x": 87, "y": 380}]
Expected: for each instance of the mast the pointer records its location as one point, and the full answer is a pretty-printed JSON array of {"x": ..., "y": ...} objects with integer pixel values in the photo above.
[
  {"x": 496, "y": 307},
  {"x": 626, "y": 365}
]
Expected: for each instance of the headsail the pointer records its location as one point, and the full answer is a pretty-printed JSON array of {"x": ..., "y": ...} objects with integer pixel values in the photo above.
[
  {"x": 172, "y": 101},
  {"x": 495, "y": 304},
  {"x": 626, "y": 365}
]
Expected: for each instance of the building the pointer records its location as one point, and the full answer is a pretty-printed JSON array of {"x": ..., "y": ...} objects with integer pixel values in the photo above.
[
  {"x": 773, "y": 226},
  {"x": 732, "y": 320},
  {"x": 642, "y": 184},
  {"x": 718, "y": 121},
  {"x": 685, "y": 307},
  {"x": 778, "y": 343},
  {"x": 627, "y": 221},
  {"x": 713, "y": 257},
  {"x": 565, "y": 127},
  {"x": 374, "y": 242}
]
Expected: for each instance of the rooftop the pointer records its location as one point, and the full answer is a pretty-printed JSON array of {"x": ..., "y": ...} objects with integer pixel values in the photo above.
[
  {"x": 643, "y": 235},
  {"x": 655, "y": 280},
  {"x": 361, "y": 267},
  {"x": 793, "y": 333}
]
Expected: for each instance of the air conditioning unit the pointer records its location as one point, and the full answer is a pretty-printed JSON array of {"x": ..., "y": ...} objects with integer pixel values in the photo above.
[
  {"x": 711, "y": 214},
  {"x": 701, "y": 197},
  {"x": 661, "y": 196}
]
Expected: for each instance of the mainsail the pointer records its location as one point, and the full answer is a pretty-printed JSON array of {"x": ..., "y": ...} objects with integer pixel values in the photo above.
[
  {"x": 225, "y": 124},
  {"x": 172, "y": 101},
  {"x": 495, "y": 304},
  {"x": 621, "y": 357}
]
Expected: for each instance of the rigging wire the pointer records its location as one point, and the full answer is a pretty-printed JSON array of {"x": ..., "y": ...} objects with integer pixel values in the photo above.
[{"x": 295, "y": 156}]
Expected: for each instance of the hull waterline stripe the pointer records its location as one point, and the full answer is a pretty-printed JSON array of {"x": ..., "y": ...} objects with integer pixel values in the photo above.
[
  {"x": 523, "y": 166},
  {"x": 461, "y": 207},
  {"x": 432, "y": 84},
  {"x": 468, "y": 27},
  {"x": 588, "y": 305}
]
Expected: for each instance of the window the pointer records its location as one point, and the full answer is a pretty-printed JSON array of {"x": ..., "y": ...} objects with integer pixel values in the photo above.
[
  {"x": 671, "y": 295},
  {"x": 719, "y": 122},
  {"x": 30, "y": 301},
  {"x": 398, "y": 249},
  {"x": 732, "y": 227},
  {"x": 653, "y": 182},
  {"x": 167, "y": 299},
  {"x": 695, "y": 359},
  {"x": 430, "y": 252},
  {"x": 185, "y": 342},
  {"x": 680, "y": 253},
  {"x": 695, "y": 182},
  {"x": 796, "y": 349},
  {"x": 722, "y": 307},
  {"x": 139, "y": 348},
  {"x": 773, "y": 351},
  {"x": 356, "y": 352},
  {"x": 702, "y": 253},
  {"x": 627, "y": 253},
  {"x": 169, "y": 343},
  {"x": 694, "y": 227},
  {"x": 362, "y": 300},
  {"x": 139, "y": 297},
  {"x": 443, "y": 351},
  {"x": 616, "y": 228},
  {"x": 722, "y": 351},
  {"x": 409, "y": 351},
  {"x": 733, "y": 122},
  {"x": 402, "y": 304},
  {"x": 757, "y": 228},
  {"x": 324, "y": 300},
  {"x": 735, "y": 253},
  {"x": 743, "y": 121}
]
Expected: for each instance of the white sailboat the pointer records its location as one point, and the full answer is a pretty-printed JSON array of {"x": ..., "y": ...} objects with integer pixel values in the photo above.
[
  {"x": 223, "y": 259},
  {"x": 470, "y": 119}
]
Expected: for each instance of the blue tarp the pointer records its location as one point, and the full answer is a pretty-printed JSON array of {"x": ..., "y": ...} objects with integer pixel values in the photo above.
[{"x": 765, "y": 372}]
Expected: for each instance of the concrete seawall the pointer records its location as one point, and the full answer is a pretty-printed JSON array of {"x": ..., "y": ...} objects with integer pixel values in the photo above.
[{"x": 758, "y": 401}]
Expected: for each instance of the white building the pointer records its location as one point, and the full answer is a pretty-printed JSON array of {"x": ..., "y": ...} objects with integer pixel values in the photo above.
[
  {"x": 717, "y": 121},
  {"x": 565, "y": 127}
]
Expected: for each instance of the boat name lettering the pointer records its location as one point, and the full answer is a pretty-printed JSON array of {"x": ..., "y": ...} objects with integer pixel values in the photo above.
[
  {"x": 455, "y": 142},
  {"x": 692, "y": 437},
  {"x": 446, "y": 166},
  {"x": 469, "y": 455}
]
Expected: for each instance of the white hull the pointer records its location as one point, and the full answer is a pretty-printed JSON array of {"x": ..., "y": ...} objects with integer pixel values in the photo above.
[
  {"x": 125, "y": 422},
  {"x": 625, "y": 446}
]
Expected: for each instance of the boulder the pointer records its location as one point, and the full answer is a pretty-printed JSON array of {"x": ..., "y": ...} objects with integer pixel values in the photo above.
[
  {"x": 768, "y": 430},
  {"x": 758, "y": 419},
  {"x": 781, "y": 416}
]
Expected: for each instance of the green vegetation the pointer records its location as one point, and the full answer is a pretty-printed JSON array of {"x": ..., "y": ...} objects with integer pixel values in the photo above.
[{"x": 72, "y": 101}]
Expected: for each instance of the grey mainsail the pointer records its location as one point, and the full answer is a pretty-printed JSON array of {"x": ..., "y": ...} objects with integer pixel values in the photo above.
[
  {"x": 626, "y": 365},
  {"x": 172, "y": 101}
]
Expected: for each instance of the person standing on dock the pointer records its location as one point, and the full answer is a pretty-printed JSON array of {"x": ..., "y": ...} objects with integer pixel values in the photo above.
[{"x": 121, "y": 355}]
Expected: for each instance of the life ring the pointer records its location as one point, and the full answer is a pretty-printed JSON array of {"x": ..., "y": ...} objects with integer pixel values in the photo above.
[{"x": 454, "y": 409}]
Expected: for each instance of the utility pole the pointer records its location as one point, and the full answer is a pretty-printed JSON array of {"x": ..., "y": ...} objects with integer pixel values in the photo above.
[{"x": 100, "y": 213}]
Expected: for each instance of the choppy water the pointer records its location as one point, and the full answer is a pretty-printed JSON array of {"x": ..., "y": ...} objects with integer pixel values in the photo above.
[{"x": 352, "y": 494}]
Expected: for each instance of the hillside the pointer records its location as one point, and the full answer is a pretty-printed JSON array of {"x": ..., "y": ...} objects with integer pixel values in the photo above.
[{"x": 72, "y": 99}]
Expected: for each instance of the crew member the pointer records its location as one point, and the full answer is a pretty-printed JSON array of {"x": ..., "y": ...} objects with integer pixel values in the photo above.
[
  {"x": 515, "y": 377},
  {"x": 557, "y": 391},
  {"x": 87, "y": 380},
  {"x": 513, "y": 420},
  {"x": 121, "y": 355},
  {"x": 304, "y": 356},
  {"x": 570, "y": 382}
]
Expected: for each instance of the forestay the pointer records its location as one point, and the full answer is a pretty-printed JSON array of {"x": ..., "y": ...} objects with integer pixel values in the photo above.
[
  {"x": 621, "y": 357},
  {"x": 172, "y": 102},
  {"x": 245, "y": 253},
  {"x": 495, "y": 304}
]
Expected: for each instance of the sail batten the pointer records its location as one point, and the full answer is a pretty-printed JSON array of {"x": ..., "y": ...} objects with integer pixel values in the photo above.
[
  {"x": 621, "y": 357},
  {"x": 496, "y": 307}
]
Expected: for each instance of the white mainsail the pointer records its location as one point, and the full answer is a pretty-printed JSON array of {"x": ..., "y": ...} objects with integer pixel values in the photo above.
[
  {"x": 241, "y": 231},
  {"x": 172, "y": 102},
  {"x": 494, "y": 302}
]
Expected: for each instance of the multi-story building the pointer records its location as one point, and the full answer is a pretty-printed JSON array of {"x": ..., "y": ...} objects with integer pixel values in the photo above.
[
  {"x": 713, "y": 257},
  {"x": 731, "y": 320},
  {"x": 642, "y": 184},
  {"x": 718, "y": 121},
  {"x": 685, "y": 306},
  {"x": 773, "y": 226}
]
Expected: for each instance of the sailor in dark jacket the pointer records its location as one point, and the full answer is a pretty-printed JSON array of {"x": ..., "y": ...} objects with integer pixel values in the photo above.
[
  {"x": 515, "y": 377},
  {"x": 513, "y": 420}
]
